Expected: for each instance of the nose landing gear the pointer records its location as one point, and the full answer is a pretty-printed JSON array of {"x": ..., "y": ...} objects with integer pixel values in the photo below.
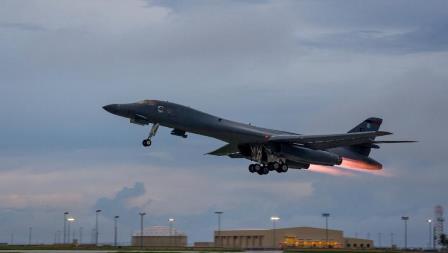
[{"x": 147, "y": 142}]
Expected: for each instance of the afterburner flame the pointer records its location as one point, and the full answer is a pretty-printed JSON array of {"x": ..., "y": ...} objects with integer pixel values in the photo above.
[
  {"x": 329, "y": 170},
  {"x": 363, "y": 167},
  {"x": 355, "y": 164}
]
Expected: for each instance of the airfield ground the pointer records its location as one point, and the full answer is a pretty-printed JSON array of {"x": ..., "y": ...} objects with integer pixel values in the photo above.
[{"x": 54, "y": 249}]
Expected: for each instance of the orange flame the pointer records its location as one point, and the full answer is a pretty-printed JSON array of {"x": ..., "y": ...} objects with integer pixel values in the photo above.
[
  {"x": 355, "y": 164},
  {"x": 329, "y": 170},
  {"x": 362, "y": 167}
]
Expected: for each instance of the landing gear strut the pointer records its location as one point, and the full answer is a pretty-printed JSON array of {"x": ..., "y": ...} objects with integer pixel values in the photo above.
[{"x": 147, "y": 142}]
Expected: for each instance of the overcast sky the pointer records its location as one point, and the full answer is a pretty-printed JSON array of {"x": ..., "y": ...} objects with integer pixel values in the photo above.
[{"x": 302, "y": 66}]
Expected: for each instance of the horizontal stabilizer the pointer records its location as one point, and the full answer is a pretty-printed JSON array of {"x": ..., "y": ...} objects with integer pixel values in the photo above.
[
  {"x": 379, "y": 142},
  {"x": 225, "y": 150}
]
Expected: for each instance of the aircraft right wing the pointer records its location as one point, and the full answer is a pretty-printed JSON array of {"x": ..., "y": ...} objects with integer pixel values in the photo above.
[
  {"x": 379, "y": 142},
  {"x": 329, "y": 140}
]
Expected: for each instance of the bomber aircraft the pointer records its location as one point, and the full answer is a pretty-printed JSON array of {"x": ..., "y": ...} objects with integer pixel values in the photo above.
[{"x": 270, "y": 150}]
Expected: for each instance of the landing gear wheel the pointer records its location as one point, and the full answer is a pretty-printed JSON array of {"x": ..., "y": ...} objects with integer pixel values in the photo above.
[
  {"x": 146, "y": 142},
  {"x": 264, "y": 170},
  {"x": 251, "y": 168},
  {"x": 284, "y": 168},
  {"x": 276, "y": 165},
  {"x": 257, "y": 168}
]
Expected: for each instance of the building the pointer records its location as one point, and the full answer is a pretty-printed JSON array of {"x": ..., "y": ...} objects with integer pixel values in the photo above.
[
  {"x": 159, "y": 237},
  {"x": 296, "y": 237},
  {"x": 357, "y": 243},
  {"x": 204, "y": 244}
]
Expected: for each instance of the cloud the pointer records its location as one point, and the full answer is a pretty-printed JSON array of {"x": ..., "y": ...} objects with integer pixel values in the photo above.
[
  {"x": 123, "y": 204},
  {"x": 21, "y": 26},
  {"x": 421, "y": 39},
  {"x": 303, "y": 66},
  {"x": 97, "y": 15}
]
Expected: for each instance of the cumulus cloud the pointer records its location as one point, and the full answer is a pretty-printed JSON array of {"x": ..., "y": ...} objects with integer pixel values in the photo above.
[{"x": 123, "y": 203}]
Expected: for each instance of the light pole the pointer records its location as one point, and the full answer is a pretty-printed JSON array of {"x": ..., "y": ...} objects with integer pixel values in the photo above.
[
  {"x": 391, "y": 240},
  {"x": 380, "y": 239},
  {"x": 219, "y": 240},
  {"x": 141, "y": 229},
  {"x": 65, "y": 227},
  {"x": 326, "y": 215},
  {"x": 80, "y": 235},
  {"x": 171, "y": 223},
  {"x": 274, "y": 220},
  {"x": 405, "y": 219},
  {"x": 430, "y": 235},
  {"x": 70, "y": 220},
  {"x": 97, "y": 233},
  {"x": 115, "y": 229},
  {"x": 434, "y": 239},
  {"x": 30, "y": 232}
]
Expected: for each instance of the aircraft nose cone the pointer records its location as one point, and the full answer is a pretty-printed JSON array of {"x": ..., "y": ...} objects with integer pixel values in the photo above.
[{"x": 112, "y": 108}]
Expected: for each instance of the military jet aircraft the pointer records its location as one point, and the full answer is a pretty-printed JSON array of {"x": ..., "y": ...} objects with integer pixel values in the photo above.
[{"x": 270, "y": 150}]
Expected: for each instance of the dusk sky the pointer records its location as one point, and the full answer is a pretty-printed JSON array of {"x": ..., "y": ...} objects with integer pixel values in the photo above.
[{"x": 311, "y": 67}]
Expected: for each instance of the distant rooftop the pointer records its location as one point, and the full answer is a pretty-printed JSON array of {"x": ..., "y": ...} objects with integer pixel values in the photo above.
[{"x": 159, "y": 231}]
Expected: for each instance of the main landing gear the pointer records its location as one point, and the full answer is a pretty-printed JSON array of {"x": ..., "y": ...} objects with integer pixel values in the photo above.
[
  {"x": 147, "y": 142},
  {"x": 263, "y": 169}
]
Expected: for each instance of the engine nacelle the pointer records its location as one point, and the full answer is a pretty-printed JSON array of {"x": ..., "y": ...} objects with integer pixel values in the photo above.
[
  {"x": 307, "y": 155},
  {"x": 297, "y": 165}
]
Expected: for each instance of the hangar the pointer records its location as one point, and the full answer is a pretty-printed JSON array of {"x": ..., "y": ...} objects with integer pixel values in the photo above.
[{"x": 295, "y": 237}]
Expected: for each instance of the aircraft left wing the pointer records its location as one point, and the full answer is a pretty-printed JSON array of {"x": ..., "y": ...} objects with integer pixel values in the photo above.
[
  {"x": 227, "y": 149},
  {"x": 329, "y": 140}
]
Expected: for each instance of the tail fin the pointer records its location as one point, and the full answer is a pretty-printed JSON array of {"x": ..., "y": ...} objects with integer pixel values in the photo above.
[{"x": 370, "y": 124}]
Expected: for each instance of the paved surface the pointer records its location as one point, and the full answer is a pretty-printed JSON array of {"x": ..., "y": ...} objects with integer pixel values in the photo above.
[
  {"x": 105, "y": 251},
  {"x": 60, "y": 251}
]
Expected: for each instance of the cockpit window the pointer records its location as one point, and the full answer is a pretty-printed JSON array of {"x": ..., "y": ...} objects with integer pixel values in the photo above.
[
  {"x": 161, "y": 108},
  {"x": 147, "y": 102}
]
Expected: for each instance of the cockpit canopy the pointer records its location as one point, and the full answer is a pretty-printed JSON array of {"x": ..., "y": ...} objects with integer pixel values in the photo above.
[{"x": 148, "y": 102}]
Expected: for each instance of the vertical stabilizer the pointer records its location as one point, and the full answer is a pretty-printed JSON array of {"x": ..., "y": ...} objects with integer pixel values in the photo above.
[{"x": 370, "y": 124}]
